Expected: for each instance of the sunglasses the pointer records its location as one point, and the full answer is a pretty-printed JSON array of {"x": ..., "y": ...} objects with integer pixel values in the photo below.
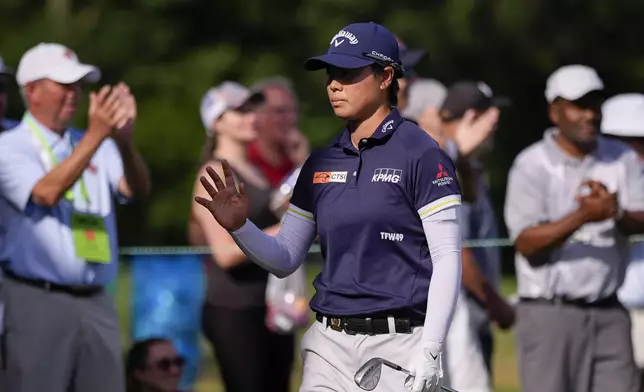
[{"x": 165, "y": 364}]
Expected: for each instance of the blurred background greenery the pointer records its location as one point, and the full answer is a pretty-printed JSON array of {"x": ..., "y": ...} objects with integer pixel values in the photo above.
[{"x": 171, "y": 51}]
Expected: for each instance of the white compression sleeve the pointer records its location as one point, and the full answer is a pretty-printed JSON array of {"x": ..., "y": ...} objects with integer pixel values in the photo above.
[
  {"x": 443, "y": 233},
  {"x": 280, "y": 255}
]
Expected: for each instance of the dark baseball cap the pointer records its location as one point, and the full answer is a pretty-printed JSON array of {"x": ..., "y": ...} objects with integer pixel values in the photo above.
[
  {"x": 4, "y": 69},
  {"x": 359, "y": 45},
  {"x": 465, "y": 95},
  {"x": 410, "y": 57}
]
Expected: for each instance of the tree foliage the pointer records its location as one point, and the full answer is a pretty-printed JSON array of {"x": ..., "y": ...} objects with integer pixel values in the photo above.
[{"x": 171, "y": 51}]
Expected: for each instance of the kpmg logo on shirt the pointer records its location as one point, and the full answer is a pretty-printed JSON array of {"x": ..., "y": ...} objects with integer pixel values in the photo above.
[
  {"x": 442, "y": 177},
  {"x": 386, "y": 175},
  {"x": 331, "y": 176}
]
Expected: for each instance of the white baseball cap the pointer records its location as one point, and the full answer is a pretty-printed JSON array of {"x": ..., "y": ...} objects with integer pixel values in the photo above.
[
  {"x": 55, "y": 62},
  {"x": 424, "y": 93},
  {"x": 572, "y": 82},
  {"x": 623, "y": 115},
  {"x": 226, "y": 96}
]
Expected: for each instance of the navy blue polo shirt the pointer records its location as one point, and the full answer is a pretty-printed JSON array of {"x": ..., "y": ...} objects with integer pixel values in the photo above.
[{"x": 367, "y": 204}]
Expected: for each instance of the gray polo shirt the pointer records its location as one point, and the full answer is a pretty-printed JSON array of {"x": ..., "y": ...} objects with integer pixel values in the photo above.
[{"x": 542, "y": 185}]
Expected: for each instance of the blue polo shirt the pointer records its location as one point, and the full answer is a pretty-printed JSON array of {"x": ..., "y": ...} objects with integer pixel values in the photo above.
[
  {"x": 368, "y": 204},
  {"x": 36, "y": 241}
]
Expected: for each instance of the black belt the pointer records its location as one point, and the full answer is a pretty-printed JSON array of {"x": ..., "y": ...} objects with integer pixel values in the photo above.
[
  {"x": 369, "y": 325},
  {"x": 74, "y": 290},
  {"x": 609, "y": 302}
]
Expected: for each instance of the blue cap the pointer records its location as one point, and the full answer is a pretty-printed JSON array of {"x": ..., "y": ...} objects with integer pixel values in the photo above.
[{"x": 359, "y": 45}]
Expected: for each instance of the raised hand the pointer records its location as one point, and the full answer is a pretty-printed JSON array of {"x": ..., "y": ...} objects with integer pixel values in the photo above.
[
  {"x": 102, "y": 107},
  {"x": 227, "y": 205},
  {"x": 125, "y": 116},
  {"x": 473, "y": 131}
]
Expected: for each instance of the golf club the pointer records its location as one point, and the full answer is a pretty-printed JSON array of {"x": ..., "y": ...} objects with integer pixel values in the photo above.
[{"x": 368, "y": 376}]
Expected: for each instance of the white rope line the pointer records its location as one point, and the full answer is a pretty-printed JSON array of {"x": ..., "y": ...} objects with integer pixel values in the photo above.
[{"x": 204, "y": 250}]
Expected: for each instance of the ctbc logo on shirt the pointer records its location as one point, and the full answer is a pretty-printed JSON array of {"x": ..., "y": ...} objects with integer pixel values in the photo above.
[
  {"x": 442, "y": 177},
  {"x": 331, "y": 176},
  {"x": 386, "y": 175},
  {"x": 391, "y": 236}
]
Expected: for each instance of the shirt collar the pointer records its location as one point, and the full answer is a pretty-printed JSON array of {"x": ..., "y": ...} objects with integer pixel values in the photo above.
[
  {"x": 382, "y": 132},
  {"x": 51, "y": 137},
  {"x": 557, "y": 154}
]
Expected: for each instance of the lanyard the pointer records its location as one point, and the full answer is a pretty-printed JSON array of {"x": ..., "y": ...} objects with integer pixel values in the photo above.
[{"x": 69, "y": 194}]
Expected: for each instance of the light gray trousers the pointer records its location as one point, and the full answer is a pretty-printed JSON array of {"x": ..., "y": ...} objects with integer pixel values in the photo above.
[
  {"x": 56, "y": 342},
  {"x": 563, "y": 348}
]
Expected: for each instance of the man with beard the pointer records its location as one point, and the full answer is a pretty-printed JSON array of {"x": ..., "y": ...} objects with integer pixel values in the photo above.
[
  {"x": 280, "y": 146},
  {"x": 572, "y": 200}
]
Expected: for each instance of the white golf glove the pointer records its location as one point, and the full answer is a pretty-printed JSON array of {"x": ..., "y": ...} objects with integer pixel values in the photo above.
[{"x": 426, "y": 369}]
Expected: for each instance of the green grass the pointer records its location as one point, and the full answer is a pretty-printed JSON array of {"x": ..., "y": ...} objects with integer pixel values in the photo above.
[{"x": 505, "y": 370}]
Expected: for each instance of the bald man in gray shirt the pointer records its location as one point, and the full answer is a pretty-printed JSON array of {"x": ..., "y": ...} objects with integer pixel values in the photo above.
[{"x": 572, "y": 200}]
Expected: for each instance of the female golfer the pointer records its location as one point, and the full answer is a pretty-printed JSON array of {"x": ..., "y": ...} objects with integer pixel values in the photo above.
[{"x": 385, "y": 202}]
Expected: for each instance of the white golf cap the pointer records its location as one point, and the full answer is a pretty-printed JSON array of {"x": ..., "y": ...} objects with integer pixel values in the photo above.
[
  {"x": 623, "y": 115},
  {"x": 572, "y": 82},
  {"x": 55, "y": 62},
  {"x": 424, "y": 93},
  {"x": 224, "y": 97}
]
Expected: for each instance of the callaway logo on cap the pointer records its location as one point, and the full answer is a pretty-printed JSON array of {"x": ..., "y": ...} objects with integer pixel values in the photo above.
[{"x": 359, "y": 45}]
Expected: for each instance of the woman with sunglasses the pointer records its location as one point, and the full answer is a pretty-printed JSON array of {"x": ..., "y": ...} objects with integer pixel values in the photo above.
[
  {"x": 385, "y": 202},
  {"x": 153, "y": 365}
]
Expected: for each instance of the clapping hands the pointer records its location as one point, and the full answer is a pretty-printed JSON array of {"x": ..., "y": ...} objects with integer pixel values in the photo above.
[{"x": 112, "y": 112}]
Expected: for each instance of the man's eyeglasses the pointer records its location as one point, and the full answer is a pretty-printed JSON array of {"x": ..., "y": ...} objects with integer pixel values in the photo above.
[{"x": 165, "y": 364}]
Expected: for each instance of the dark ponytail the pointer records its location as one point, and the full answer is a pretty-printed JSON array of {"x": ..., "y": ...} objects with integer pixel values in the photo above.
[{"x": 208, "y": 148}]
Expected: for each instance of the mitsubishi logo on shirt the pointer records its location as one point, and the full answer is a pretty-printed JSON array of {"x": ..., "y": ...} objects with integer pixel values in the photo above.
[
  {"x": 442, "y": 176},
  {"x": 386, "y": 175}
]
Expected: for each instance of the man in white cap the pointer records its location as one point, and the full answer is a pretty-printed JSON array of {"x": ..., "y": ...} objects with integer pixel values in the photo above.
[
  {"x": 572, "y": 200},
  {"x": 623, "y": 119},
  {"x": 5, "y": 78},
  {"x": 58, "y": 240}
]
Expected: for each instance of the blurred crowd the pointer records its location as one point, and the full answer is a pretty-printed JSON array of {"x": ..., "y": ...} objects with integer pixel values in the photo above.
[{"x": 572, "y": 201}]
